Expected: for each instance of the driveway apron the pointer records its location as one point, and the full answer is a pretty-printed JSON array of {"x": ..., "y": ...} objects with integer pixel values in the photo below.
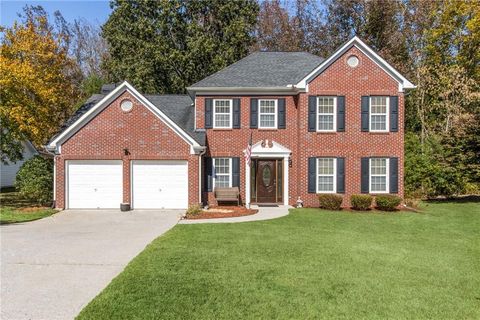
[{"x": 51, "y": 268}]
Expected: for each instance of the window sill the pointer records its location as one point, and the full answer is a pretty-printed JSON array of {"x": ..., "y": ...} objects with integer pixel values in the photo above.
[
  {"x": 222, "y": 129},
  {"x": 327, "y": 132},
  {"x": 267, "y": 129},
  {"x": 379, "y": 132}
]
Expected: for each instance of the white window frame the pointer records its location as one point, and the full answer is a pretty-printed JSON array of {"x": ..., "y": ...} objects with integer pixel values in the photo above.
[
  {"x": 318, "y": 114},
  {"x": 327, "y": 175},
  {"x": 260, "y": 113},
  {"x": 386, "y": 175},
  {"x": 387, "y": 113},
  {"x": 222, "y": 174},
  {"x": 230, "y": 114}
]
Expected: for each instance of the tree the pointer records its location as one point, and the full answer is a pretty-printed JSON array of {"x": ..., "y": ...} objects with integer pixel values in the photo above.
[
  {"x": 38, "y": 82},
  {"x": 165, "y": 46}
]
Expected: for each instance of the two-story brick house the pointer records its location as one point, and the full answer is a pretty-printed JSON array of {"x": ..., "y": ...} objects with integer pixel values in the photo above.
[{"x": 317, "y": 125}]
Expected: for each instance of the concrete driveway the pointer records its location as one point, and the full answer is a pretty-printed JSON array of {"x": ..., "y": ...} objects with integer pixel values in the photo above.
[{"x": 51, "y": 268}]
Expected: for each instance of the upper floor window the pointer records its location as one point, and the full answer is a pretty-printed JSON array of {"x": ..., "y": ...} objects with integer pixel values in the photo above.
[
  {"x": 326, "y": 171},
  {"x": 326, "y": 113},
  {"x": 222, "y": 172},
  {"x": 379, "y": 175},
  {"x": 379, "y": 114},
  {"x": 267, "y": 114},
  {"x": 222, "y": 113}
]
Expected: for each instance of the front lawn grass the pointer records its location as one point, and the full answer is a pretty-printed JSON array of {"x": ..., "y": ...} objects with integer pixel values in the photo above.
[
  {"x": 310, "y": 264},
  {"x": 15, "y": 209}
]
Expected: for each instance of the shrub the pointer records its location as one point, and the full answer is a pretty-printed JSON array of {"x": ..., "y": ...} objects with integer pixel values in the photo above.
[
  {"x": 330, "y": 201},
  {"x": 34, "y": 180},
  {"x": 387, "y": 202},
  {"x": 193, "y": 210},
  {"x": 361, "y": 201}
]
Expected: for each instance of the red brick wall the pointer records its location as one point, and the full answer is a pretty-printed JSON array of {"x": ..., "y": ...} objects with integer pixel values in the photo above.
[
  {"x": 232, "y": 142},
  {"x": 339, "y": 79},
  {"x": 143, "y": 133},
  {"x": 353, "y": 83}
]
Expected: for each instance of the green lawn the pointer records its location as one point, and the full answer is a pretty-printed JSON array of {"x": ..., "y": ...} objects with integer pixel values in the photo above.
[
  {"x": 310, "y": 264},
  {"x": 14, "y": 209}
]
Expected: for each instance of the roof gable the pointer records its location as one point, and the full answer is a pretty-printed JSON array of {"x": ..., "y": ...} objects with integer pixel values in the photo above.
[
  {"x": 98, "y": 102},
  {"x": 403, "y": 83}
]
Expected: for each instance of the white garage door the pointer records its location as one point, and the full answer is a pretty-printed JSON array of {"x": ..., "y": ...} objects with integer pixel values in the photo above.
[
  {"x": 159, "y": 184},
  {"x": 93, "y": 184}
]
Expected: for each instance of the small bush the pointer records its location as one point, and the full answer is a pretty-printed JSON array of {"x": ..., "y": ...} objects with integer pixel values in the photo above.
[
  {"x": 193, "y": 210},
  {"x": 34, "y": 180},
  {"x": 330, "y": 201},
  {"x": 387, "y": 202},
  {"x": 412, "y": 203},
  {"x": 361, "y": 201}
]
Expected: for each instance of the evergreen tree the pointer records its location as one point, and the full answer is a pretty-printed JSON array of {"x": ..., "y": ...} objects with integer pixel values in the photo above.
[{"x": 165, "y": 46}]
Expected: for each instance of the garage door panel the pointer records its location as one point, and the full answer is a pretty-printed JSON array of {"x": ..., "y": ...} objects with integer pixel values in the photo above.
[
  {"x": 94, "y": 184},
  {"x": 159, "y": 184}
]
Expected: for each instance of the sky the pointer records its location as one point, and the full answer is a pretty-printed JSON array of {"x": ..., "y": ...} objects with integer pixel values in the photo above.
[{"x": 94, "y": 11}]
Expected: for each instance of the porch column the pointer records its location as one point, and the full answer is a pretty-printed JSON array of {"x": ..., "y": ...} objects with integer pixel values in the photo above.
[{"x": 247, "y": 184}]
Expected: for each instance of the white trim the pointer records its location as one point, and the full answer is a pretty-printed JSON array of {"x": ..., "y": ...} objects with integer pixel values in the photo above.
[
  {"x": 275, "y": 126},
  {"x": 334, "y": 127},
  {"x": 334, "y": 175},
  {"x": 90, "y": 114},
  {"x": 387, "y": 175},
  {"x": 387, "y": 114},
  {"x": 359, "y": 44},
  {"x": 214, "y": 173},
  {"x": 230, "y": 114},
  {"x": 287, "y": 90}
]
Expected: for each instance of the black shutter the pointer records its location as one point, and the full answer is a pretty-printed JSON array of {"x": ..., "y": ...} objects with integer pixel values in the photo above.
[
  {"x": 393, "y": 175},
  {"x": 208, "y": 174},
  {"x": 312, "y": 113},
  {"x": 365, "y": 175},
  {"x": 236, "y": 172},
  {"x": 312, "y": 175},
  {"x": 253, "y": 113},
  {"x": 236, "y": 113},
  {"x": 208, "y": 113},
  {"x": 281, "y": 113},
  {"x": 340, "y": 175},
  {"x": 341, "y": 113},
  {"x": 393, "y": 113},
  {"x": 365, "y": 113}
]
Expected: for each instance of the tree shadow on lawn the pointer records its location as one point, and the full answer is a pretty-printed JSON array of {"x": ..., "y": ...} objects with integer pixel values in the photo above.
[{"x": 459, "y": 199}]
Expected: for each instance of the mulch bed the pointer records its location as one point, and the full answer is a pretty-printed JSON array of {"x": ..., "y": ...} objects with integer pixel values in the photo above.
[
  {"x": 32, "y": 209},
  {"x": 222, "y": 212}
]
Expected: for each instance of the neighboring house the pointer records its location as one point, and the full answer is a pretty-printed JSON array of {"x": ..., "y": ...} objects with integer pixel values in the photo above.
[
  {"x": 8, "y": 171},
  {"x": 318, "y": 126}
]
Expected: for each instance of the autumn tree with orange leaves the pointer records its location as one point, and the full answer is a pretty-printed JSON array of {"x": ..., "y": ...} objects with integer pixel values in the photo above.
[{"x": 38, "y": 83}]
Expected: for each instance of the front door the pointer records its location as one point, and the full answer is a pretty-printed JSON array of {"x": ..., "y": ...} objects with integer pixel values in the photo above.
[{"x": 266, "y": 181}]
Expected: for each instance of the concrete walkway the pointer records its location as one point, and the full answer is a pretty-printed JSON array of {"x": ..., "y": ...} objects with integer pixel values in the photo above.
[
  {"x": 264, "y": 213},
  {"x": 51, "y": 268}
]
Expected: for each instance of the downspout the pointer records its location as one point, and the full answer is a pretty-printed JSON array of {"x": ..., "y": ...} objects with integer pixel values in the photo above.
[{"x": 200, "y": 156}]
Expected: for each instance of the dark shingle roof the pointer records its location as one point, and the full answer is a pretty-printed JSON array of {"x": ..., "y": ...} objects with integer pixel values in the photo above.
[
  {"x": 177, "y": 107},
  {"x": 264, "y": 69}
]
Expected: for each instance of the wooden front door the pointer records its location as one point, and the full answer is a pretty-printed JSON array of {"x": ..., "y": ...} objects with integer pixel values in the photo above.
[{"x": 266, "y": 181}]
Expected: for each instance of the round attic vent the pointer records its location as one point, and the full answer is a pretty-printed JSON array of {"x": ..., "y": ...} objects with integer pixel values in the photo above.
[
  {"x": 126, "y": 105},
  {"x": 352, "y": 61}
]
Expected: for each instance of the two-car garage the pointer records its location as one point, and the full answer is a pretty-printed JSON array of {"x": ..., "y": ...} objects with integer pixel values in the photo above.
[{"x": 99, "y": 184}]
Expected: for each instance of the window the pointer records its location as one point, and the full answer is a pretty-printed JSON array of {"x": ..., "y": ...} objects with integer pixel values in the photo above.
[
  {"x": 379, "y": 175},
  {"x": 222, "y": 113},
  {"x": 379, "y": 114},
  {"x": 221, "y": 172},
  {"x": 267, "y": 114},
  {"x": 326, "y": 113},
  {"x": 326, "y": 171}
]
